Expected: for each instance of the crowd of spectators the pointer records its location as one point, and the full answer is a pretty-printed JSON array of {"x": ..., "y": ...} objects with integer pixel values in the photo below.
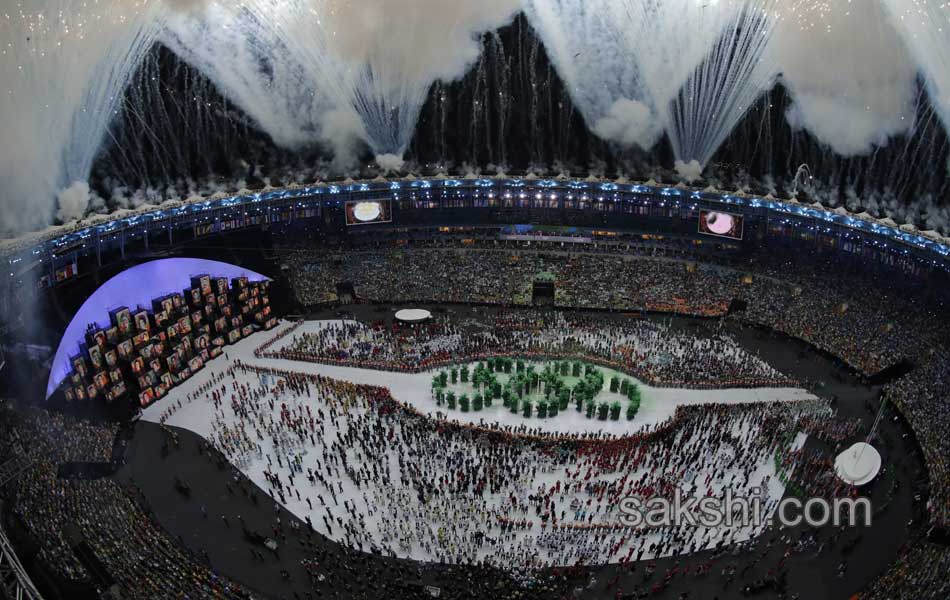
[
  {"x": 506, "y": 277},
  {"x": 838, "y": 318},
  {"x": 401, "y": 276},
  {"x": 830, "y": 312},
  {"x": 923, "y": 396},
  {"x": 145, "y": 562},
  {"x": 919, "y": 573}
]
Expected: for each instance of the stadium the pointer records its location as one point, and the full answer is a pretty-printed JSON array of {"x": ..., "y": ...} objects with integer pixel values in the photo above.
[{"x": 510, "y": 338}]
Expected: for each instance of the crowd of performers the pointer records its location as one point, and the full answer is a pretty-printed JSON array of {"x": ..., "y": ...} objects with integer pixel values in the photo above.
[
  {"x": 655, "y": 352},
  {"x": 377, "y": 475}
]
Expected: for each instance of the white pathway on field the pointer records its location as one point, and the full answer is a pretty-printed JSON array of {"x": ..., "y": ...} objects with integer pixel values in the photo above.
[{"x": 393, "y": 519}]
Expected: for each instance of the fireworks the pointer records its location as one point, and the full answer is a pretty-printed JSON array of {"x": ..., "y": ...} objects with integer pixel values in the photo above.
[
  {"x": 336, "y": 71},
  {"x": 63, "y": 65},
  {"x": 349, "y": 76},
  {"x": 637, "y": 68}
]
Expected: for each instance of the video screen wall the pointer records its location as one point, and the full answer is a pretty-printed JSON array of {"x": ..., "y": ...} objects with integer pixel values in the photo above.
[
  {"x": 138, "y": 354},
  {"x": 368, "y": 212},
  {"x": 721, "y": 224}
]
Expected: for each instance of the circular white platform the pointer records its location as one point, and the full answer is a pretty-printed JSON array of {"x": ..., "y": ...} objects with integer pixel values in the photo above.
[
  {"x": 859, "y": 464},
  {"x": 413, "y": 315}
]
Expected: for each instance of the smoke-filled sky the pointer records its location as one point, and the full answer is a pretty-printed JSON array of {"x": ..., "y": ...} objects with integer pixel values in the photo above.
[
  {"x": 351, "y": 77},
  {"x": 63, "y": 68},
  {"x": 336, "y": 71},
  {"x": 853, "y": 81}
]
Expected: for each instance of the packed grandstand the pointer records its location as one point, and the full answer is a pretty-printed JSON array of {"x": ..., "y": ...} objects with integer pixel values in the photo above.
[{"x": 320, "y": 449}]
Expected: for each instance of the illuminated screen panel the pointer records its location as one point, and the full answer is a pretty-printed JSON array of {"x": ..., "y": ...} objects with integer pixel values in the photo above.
[
  {"x": 136, "y": 286},
  {"x": 368, "y": 212},
  {"x": 721, "y": 224}
]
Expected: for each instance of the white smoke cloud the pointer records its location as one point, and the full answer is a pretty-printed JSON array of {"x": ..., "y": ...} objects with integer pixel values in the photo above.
[
  {"x": 416, "y": 40},
  {"x": 343, "y": 131},
  {"x": 851, "y": 79},
  {"x": 64, "y": 67},
  {"x": 73, "y": 202},
  {"x": 295, "y": 66},
  {"x": 689, "y": 171},
  {"x": 120, "y": 197},
  {"x": 187, "y": 6},
  {"x": 768, "y": 182},
  {"x": 253, "y": 69},
  {"x": 629, "y": 123},
  {"x": 925, "y": 27},
  {"x": 390, "y": 162},
  {"x": 637, "y": 67}
]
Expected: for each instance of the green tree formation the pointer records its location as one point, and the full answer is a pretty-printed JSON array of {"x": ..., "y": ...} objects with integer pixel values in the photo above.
[{"x": 553, "y": 395}]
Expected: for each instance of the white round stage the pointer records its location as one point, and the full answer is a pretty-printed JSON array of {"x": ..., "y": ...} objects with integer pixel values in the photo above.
[
  {"x": 413, "y": 315},
  {"x": 859, "y": 464}
]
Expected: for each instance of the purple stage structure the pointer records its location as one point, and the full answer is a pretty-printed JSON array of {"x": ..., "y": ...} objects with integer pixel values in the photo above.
[{"x": 136, "y": 286}]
